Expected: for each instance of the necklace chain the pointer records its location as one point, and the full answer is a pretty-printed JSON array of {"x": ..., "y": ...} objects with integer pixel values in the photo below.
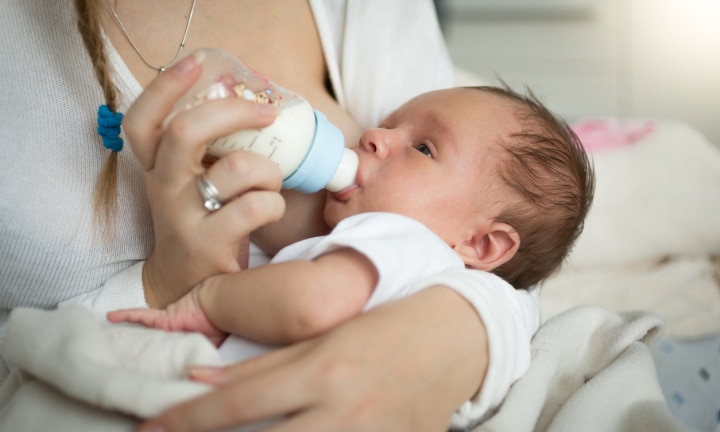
[{"x": 160, "y": 69}]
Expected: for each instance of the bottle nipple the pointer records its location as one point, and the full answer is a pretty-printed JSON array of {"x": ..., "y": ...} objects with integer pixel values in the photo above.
[{"x": 345, "y": 175}]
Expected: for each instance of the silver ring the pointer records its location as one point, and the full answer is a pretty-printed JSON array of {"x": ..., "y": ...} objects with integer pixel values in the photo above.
[{"x": 209, "y": 193}]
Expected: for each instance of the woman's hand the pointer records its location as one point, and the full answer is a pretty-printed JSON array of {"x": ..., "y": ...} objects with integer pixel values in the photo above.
[
  {"x": 404, "y": 366},
  {"x": 192, "y": 243}
]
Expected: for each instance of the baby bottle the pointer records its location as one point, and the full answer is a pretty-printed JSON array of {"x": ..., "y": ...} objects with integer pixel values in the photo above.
[{"x": 309, "y": 150}]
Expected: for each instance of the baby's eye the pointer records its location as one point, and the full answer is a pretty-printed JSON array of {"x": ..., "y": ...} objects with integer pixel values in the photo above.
[{"x": 423, "y": 148}]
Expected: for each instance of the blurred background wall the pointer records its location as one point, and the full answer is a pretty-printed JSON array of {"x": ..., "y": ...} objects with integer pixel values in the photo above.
[{"x": 596, "y": 58}]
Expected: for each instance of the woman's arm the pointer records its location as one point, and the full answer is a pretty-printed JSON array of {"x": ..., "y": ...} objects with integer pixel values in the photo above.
[{"x": 419, "y": 357}]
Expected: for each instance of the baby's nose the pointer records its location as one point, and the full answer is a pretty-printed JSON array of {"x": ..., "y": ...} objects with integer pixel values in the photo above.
[{"x": 376, "y": 141}]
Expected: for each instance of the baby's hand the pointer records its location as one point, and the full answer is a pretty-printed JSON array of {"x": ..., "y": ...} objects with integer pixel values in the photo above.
[{"x": 185, "y": 315}]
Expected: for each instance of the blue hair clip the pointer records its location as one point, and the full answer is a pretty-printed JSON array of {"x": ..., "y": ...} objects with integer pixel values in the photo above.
[{"x": 109, "y": 128}]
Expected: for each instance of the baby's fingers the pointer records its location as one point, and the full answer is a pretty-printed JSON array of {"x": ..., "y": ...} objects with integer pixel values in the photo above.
[{"x": 146, "y": 317}]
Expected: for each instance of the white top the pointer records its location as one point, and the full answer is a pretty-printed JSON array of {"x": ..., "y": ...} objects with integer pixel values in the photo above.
[{"x": 409, "y": 257}]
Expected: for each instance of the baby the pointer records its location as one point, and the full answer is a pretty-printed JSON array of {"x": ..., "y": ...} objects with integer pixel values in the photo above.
[{"x": 481, "y": 178}]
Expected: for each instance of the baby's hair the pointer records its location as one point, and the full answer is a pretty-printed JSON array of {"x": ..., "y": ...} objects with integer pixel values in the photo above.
[
  {"x": 89, "y": 26},
  {"x": 549, "y": 170}
]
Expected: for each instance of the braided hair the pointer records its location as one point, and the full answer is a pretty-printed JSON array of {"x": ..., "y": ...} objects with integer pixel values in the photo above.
[{"x": 89, "y": 26}]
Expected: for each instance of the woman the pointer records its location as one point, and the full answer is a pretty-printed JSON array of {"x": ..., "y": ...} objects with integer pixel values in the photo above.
[{"x": 405, "y": 366}]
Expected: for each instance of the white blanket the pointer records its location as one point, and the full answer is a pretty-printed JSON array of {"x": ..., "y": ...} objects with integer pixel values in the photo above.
[
  {"x": 71, "y": 372},
  {"x": 591, "y": 371}
]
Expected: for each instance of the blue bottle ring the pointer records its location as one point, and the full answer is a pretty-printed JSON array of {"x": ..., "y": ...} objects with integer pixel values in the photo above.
[{"x": 321, "y": 160}]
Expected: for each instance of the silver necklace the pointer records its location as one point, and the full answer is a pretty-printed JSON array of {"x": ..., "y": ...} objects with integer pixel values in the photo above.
[{"x": 160, "y": 69}]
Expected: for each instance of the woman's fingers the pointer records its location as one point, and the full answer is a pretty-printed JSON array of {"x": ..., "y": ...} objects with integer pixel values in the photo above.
[
  {"x": 253, "y": 367},
  {"x": 238, "y": 172},
  {"x": 247, "y": 184},
  {"x": 242, "y": 215},
  {"x": 184, "y": 143},
  {"x": 143, "y": 123},
  {"x": 237, "y": 403},
  {"x": 307, "y": 421}
]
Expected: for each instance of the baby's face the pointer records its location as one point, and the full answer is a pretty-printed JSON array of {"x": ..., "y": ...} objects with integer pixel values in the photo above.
[{"x": 434, "y": 159}]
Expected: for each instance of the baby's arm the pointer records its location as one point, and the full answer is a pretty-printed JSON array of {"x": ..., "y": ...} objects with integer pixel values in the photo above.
[
  {"x": 273, "y": 304},
  {"x": 293, "y": 300}
]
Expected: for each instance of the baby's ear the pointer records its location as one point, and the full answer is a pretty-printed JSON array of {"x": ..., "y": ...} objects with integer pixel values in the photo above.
[{"x": 490, "y": 249}]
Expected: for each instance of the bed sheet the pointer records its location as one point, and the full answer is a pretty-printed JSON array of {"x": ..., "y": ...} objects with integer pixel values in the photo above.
[{"x": 689, "y": 374}]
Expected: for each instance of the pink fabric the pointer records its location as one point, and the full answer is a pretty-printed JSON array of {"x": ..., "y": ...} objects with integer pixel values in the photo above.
[{"x": 602, "y": 134}]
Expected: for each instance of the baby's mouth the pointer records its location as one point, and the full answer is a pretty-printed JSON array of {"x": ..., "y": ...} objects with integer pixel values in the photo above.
[{"x": 344, "y": 194}]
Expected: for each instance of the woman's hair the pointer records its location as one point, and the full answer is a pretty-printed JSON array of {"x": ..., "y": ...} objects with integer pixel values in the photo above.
[
  {"x": 89, "y": 25},
  {"x": 548, "y": 170}
]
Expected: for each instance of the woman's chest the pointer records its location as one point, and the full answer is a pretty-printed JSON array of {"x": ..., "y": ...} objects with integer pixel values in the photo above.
[{"x": 277, "y": 38}]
